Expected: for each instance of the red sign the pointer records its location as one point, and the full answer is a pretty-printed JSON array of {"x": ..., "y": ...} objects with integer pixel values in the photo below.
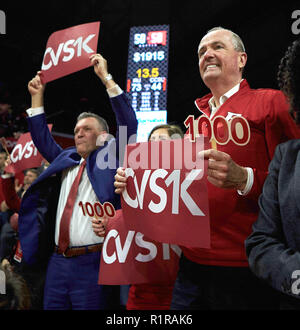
[
  {"x": 64, "y": 140},
  {"x": 129, "y": 258},
  {"x": 157, "y": 37},
  {"x": 25, "y": 154},
  {"x": 166, "y": 196},
  {"x": 8, "y": 143},
  {"x": 69, "y": 50}
]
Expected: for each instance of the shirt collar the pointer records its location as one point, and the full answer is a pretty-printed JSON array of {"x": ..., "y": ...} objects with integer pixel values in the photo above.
[{"x": 223, "y": 98}]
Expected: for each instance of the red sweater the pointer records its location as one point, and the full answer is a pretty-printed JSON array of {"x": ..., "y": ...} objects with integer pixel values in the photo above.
[
  {"x": 232, "y": 215},
  {"x": 150, "y": 296}
]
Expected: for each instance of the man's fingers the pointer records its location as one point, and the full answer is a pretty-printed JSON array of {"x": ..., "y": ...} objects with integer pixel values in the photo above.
[
  {"x": 121, "y": 171},
  {"x": 100, "y": 223},
  {"x": 120, "y": 183},
  {"x": 120, "y": 190},
  {"x": 215, "y": 182},
  {"x": 203, "y": 154},
  {"x": 96, "y": 59},
  {"x": 222, "y": 166},
  {"x": 213, "y": 154},
  {"x": 35, "y": 82},
  {"x": 120, "y": 180},
  {"x": 216, "y": 174},
  {"x": 99, "y": 226}
]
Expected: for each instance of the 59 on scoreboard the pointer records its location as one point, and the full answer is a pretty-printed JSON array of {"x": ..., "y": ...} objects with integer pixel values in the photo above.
[{"x": 147, "y": 74}]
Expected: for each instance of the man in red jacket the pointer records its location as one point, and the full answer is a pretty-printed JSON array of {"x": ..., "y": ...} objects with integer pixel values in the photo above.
[{"x": 245, "y": 125}]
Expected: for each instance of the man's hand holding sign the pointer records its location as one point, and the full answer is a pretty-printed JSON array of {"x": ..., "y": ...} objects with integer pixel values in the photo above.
[
  {"x": 223, "y": 172},
  {"x": 168, "y": 203}
]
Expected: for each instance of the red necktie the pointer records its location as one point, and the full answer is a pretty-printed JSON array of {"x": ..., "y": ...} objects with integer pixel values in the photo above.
[{"x": 64, "y": 229}]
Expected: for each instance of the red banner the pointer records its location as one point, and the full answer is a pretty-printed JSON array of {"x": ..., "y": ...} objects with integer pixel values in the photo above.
[
  {"x": 64, "y": 140},
  {"x": 25, "y": 154},
  {"x": 10, "y": 143},
  {"x": 129, "y": 258},
  {"x": 69, "y": 50},
  {"x": 166, "y": 196}
]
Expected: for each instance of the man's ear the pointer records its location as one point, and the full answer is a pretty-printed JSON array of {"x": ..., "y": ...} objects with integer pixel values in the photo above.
[
  {"x": 242, "y": 60},
  {"x": 102, "y": 137}
]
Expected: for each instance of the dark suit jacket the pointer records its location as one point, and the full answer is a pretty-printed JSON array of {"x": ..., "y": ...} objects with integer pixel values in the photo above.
[
  {"x": 273, "y": 248},
  {"x": 39, "y": 204}
]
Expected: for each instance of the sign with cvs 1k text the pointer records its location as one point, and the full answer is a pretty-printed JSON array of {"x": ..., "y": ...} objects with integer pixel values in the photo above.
[
  {"x": 166, "y": 194},
  {"x": 69, "y": 50}
]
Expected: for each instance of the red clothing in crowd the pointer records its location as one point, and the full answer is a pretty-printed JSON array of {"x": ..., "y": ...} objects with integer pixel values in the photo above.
[
  {"x": 231, "y": 214},
  {"x": 13, "y": 201},
  {"x": 150, "y": 296}
]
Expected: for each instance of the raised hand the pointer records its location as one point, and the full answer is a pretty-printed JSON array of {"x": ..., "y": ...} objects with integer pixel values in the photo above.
[
  {"x": 101, "y": 70},
  {"x": 35, "y": 85},
  {"x": 36, "y": 89}
]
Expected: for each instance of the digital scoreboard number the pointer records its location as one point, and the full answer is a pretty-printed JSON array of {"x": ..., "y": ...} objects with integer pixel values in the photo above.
[{"x": 147, "y": 76}]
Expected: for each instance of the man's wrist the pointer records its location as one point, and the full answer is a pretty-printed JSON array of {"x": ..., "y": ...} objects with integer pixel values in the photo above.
[
  {"x": 242, "y": 184},
  {"x": 249, "y": 183},
  {"x": 107, "y": 78},
  {"x": 114, "y": 91},
  {"x": 37, "y": 101},
  {"x": 109, "y": 84}
]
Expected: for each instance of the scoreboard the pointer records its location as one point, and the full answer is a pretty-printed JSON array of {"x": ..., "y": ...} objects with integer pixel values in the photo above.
[{"x": 147, "y": 76}]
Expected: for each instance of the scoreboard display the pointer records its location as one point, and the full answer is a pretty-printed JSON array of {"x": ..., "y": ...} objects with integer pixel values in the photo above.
[{"x": 147, "y": 76}]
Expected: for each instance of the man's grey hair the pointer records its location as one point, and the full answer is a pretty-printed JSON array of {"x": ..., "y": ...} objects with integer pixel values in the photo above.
[
  {"x": 236, "y": 40},
  {"x": 102, "y": 122}
]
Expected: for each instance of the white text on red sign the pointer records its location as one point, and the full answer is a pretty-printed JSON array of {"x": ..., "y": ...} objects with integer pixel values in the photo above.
[
  {"x": 66, "y": 51},
  {"x": 122, "y": 251},
  {"x": 26, "y": 152},
  {"x": 179, "y": 190}
]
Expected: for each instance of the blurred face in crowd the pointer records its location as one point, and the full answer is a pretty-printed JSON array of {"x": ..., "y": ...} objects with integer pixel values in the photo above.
[
  {"x": 86, "y": 133},
  {"x": 29, "y": 178},
  {"x": 219, "y": 61},
  {"x": 160, "y": 134}
]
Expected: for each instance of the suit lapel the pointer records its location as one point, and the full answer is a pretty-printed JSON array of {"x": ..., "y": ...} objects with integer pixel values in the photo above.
[
  {"x": 296, "y": 178},
  {"x": 66, "y": 159}
]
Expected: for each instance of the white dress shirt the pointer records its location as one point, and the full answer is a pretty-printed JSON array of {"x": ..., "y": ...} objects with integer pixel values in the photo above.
[{"x": 81, "y": 232}]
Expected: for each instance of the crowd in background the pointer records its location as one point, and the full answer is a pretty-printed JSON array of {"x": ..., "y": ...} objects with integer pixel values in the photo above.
[{"x": 215, "y": 278}]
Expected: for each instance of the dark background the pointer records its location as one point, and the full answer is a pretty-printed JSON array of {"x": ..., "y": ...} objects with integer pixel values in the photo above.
[{"x": 265, "y": 28}]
